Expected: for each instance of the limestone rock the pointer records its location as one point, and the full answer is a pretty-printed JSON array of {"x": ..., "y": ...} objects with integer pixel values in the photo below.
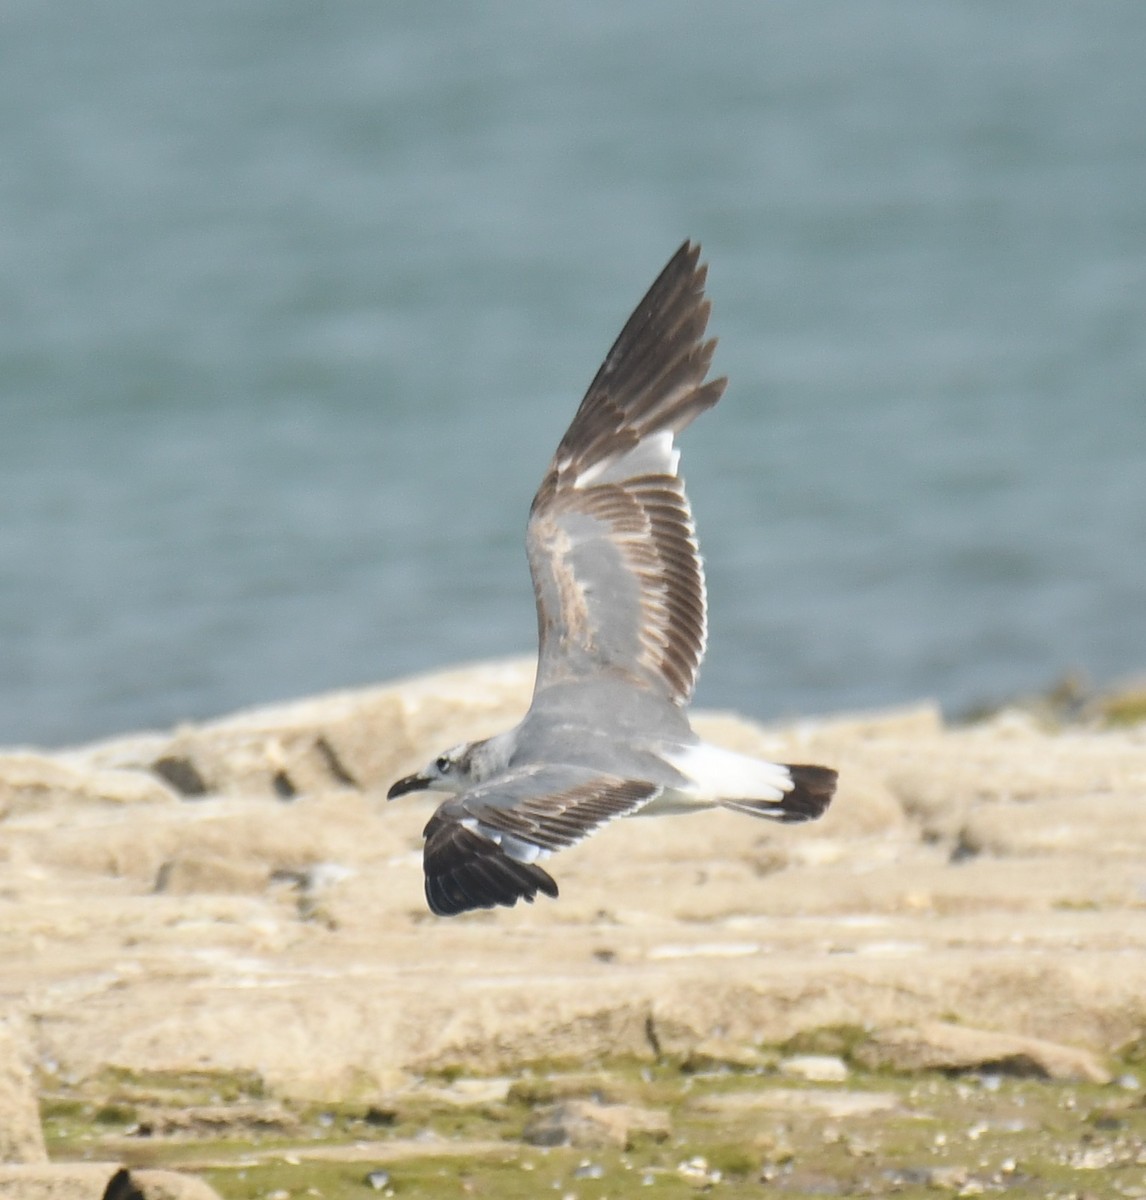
[
  {"x": 289, "y": 936},
  {"x": 21, "y": 1138},
  {"x": 32, "y": 782},
  {"x": 56, "y": 1181},
  {"x": 357, "y": 740},
  {"x": 98, "y": 1181},
  {"x": 814, "y": 1068},
  {"x": 187, "y": 873},
  {"x": 715, "y": 1053},
  {"x": 941, "y": 1046},
  {"x": 170, "y": 1185},
  {"x": 588, "y": 1125},
  {"x": 822, "y": 1102},
  {"x": 1099, "y": 823},
  {"x": 218, "y": 1120}
]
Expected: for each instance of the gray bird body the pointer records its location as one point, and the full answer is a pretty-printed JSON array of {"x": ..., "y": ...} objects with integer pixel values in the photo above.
[{"x": 621, "y": 610}]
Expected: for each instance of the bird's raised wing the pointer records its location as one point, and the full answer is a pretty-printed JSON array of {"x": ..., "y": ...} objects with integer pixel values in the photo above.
[
  {"x": 611, "y": 542},
  {"x": 482, "y": 847}
]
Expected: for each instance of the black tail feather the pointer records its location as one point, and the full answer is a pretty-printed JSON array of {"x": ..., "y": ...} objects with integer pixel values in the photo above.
[{"x": 812, "y": 791}]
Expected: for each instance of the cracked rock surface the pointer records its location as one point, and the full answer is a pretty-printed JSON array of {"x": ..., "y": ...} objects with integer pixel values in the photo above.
[{"x": 239, "y": 896}]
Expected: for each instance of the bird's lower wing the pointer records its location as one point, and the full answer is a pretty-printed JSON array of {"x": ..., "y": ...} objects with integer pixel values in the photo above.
[{"x": 482, "y": 847}]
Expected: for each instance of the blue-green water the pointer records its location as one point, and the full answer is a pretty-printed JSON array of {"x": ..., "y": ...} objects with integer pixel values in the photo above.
[{"x": 296, "y": 300}]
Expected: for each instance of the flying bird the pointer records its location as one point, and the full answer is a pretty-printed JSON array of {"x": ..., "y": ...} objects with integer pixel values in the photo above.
[{"x": 622, "y": 627}]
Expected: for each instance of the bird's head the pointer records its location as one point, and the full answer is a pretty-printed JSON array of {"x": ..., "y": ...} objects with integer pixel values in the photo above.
[{"x": 449, "y": 772}]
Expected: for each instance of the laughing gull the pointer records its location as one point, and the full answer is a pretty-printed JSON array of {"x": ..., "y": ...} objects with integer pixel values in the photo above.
[{"x": 622, "y": 629}]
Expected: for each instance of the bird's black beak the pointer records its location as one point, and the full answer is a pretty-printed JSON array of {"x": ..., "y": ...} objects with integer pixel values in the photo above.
[{"x": 410, "y": 783}]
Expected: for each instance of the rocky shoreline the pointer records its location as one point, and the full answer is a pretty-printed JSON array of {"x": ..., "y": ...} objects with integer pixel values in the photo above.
[{"x": 237, "y": 897}]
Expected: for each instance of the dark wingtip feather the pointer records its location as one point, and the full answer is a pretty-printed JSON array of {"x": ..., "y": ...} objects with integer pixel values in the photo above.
[
  {"x": 653, "y": 376},
  {"x": 465, "y": 871},
  {"x": 466, "y": 891},
  {"x": 812, "y": 791}
]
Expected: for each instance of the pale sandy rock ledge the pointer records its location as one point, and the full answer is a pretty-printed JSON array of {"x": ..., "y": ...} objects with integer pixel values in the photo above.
[
  {"x": 239, "y": 896},
  {"x": 98, "y": 1181}
]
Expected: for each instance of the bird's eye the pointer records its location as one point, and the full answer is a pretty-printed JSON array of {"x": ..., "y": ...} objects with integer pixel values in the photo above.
[{"x": 443, "y": 763}]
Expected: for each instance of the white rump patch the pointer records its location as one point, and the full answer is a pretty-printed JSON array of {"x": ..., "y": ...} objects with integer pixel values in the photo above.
[{"x": 718, "y": 774}]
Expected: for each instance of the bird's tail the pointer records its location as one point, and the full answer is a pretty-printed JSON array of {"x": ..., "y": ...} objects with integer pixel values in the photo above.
[
  {"x": 780, "y": 792},
  {"x": 810, "y": 794}
]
